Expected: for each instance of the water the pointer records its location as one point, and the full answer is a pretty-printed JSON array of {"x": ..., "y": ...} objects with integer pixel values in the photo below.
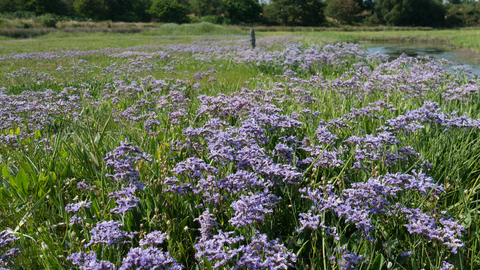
[{"x": 436, "y": 51}]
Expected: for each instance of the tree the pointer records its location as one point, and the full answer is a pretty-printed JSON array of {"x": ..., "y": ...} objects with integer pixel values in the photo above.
[
  {"x": 206, "y": 7},
  {"x": 140, "y": 10},
  {"x": 343, "y": 10},
  {"x": 37, "y": 6},
  {"x": 365, "y": 4},
  {"x": 169, "y": 11},
  {"x": 9, "y": 6},
  {"x": 95, "y": 9},
  {"x": 296, "y": 12},
  {"x": 242, "y": 10},
  {"x": 411, "y": 12}
]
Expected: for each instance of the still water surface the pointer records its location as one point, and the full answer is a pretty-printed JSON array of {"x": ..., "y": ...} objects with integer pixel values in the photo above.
[{"x": 436, "y": 51}]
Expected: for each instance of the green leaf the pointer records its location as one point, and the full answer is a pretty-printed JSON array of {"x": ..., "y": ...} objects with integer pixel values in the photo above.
[
  {"x": 22, "y": 181},
  {"x": 301, "y": 249},
  {"x": 377, "y": 263},
  {"x": 5, "y": 172}
]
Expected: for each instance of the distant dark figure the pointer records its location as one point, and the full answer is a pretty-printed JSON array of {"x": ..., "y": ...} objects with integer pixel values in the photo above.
[{"x": 252, "y": 38}]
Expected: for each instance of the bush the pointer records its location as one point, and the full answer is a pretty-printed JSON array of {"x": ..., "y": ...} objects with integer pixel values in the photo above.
[
  {"x": 212, "y": 19},
  {"x": 169, "y": 11},
  {"x": 48, "y": 20}
]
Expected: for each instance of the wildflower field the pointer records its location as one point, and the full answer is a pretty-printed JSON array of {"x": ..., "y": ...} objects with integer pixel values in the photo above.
[{"x": 201, "y": 153}]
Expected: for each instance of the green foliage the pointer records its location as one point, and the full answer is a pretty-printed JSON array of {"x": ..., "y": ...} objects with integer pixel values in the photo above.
[
  {"x": 169, "y": 11},
  {"x": 44, "y": 6},
  {"x": 48, "y": 20},
  {"x": 463, "y": 15},
  {"x": 9, "y": 6},
  {"x": 343, "y": 10},
  {"x": 411, "y": 12},
  {"x": 206, "y": 7},
  {"x": 243, "y": 10},
  {"x": 36, "y": 6},
  {"x": 296, "y": 12},
  {"x": 94, "y": 9},
  {"x": 215, "y": 19}
]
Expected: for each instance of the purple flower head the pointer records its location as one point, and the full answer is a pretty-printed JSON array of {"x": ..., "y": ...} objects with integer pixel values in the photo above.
[
  {"x": 217, "y": 249},
  {"x": 252, "y": 208},
  {"x": 89, "y": 261},
  {"x": 152, "y": 239},
  {"x": 126, "y": 200},
  {"x": 123, "y": 160},
  {"x": 348, "y": 259},
  {"x": 76, "y": 220},
  {"x": 194, "y": 168},
  {"x": 446, "y": 266},
  {"x": 7, "y": 239},
  {"x": 207, "y": 223},
  {"x": 76, "y": 207},
  {"x": 83, "y": 186},
  {"x": 149, "y": 258},
  {"x": 108, "y": 232},
  {"x": 264, "y": 254}
]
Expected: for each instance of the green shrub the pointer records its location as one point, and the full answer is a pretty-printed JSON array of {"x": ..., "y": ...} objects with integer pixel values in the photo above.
[
  {"x": 48, "y": 20},
  {"x": 212, "y": 19}
]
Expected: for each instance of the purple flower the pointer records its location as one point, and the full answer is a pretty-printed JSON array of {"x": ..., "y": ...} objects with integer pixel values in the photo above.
[
  {"x": 123, "y": 160},
  {"x": 108, "y": 232},
  {"x": 153, "y": 238},
  {"x": 263, "y": 254},
  {"x": 348, "y": 259},
  {"x": 446, "y": 266},
  {"x": 89, "y": 261},
  {"x": 252, "y": 208},
  {"x": 76, "y": 207},
  {"x": 126, "y": 200},
  {"x": 217, "y": 249},
  {"x": 149, "y": 258},
  {"x": 207, "y": 223}
]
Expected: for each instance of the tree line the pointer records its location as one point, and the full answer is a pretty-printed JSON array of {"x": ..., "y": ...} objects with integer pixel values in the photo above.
[{"x": 434, "y": 13}]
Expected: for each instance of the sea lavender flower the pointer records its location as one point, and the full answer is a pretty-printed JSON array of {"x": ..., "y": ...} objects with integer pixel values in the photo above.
[
  {"x": 7, "y": 239},
  {"x": 149, "y": 258},
  {"x": 76, "y": 220},
  {"x": 207, "y": 223},
  {"x": 126, "y": 200},
  {"x": 123, "y": 160},
  {"x": 446, "y": 266},
  {"x": 348, "y": 259},
  {"x": 76, "y": 207},
  {"x": 263, "y": 254},
  {"x": 421, "y": 223},
  {"x": 89, "y": 261},
  {"x": 193, "y": 167},
  {"x": 217, "y": 249},
  {"x": 153, "y": 238},
  {"x": 108, "y": 232},
  {"x": 252, "y": 208},
  {"x": 83, "y": 186},
  {"x": 242, "y": 181}
]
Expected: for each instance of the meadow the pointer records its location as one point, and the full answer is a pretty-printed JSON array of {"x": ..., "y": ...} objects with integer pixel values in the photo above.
[{"x": 145, "y": 151}]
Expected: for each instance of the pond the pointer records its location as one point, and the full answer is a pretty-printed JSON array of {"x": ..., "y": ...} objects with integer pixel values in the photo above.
[{"x": 436, "y": 51}]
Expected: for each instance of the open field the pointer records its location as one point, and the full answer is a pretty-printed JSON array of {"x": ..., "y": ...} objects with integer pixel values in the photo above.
[{"x": 139, "y": 151}]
